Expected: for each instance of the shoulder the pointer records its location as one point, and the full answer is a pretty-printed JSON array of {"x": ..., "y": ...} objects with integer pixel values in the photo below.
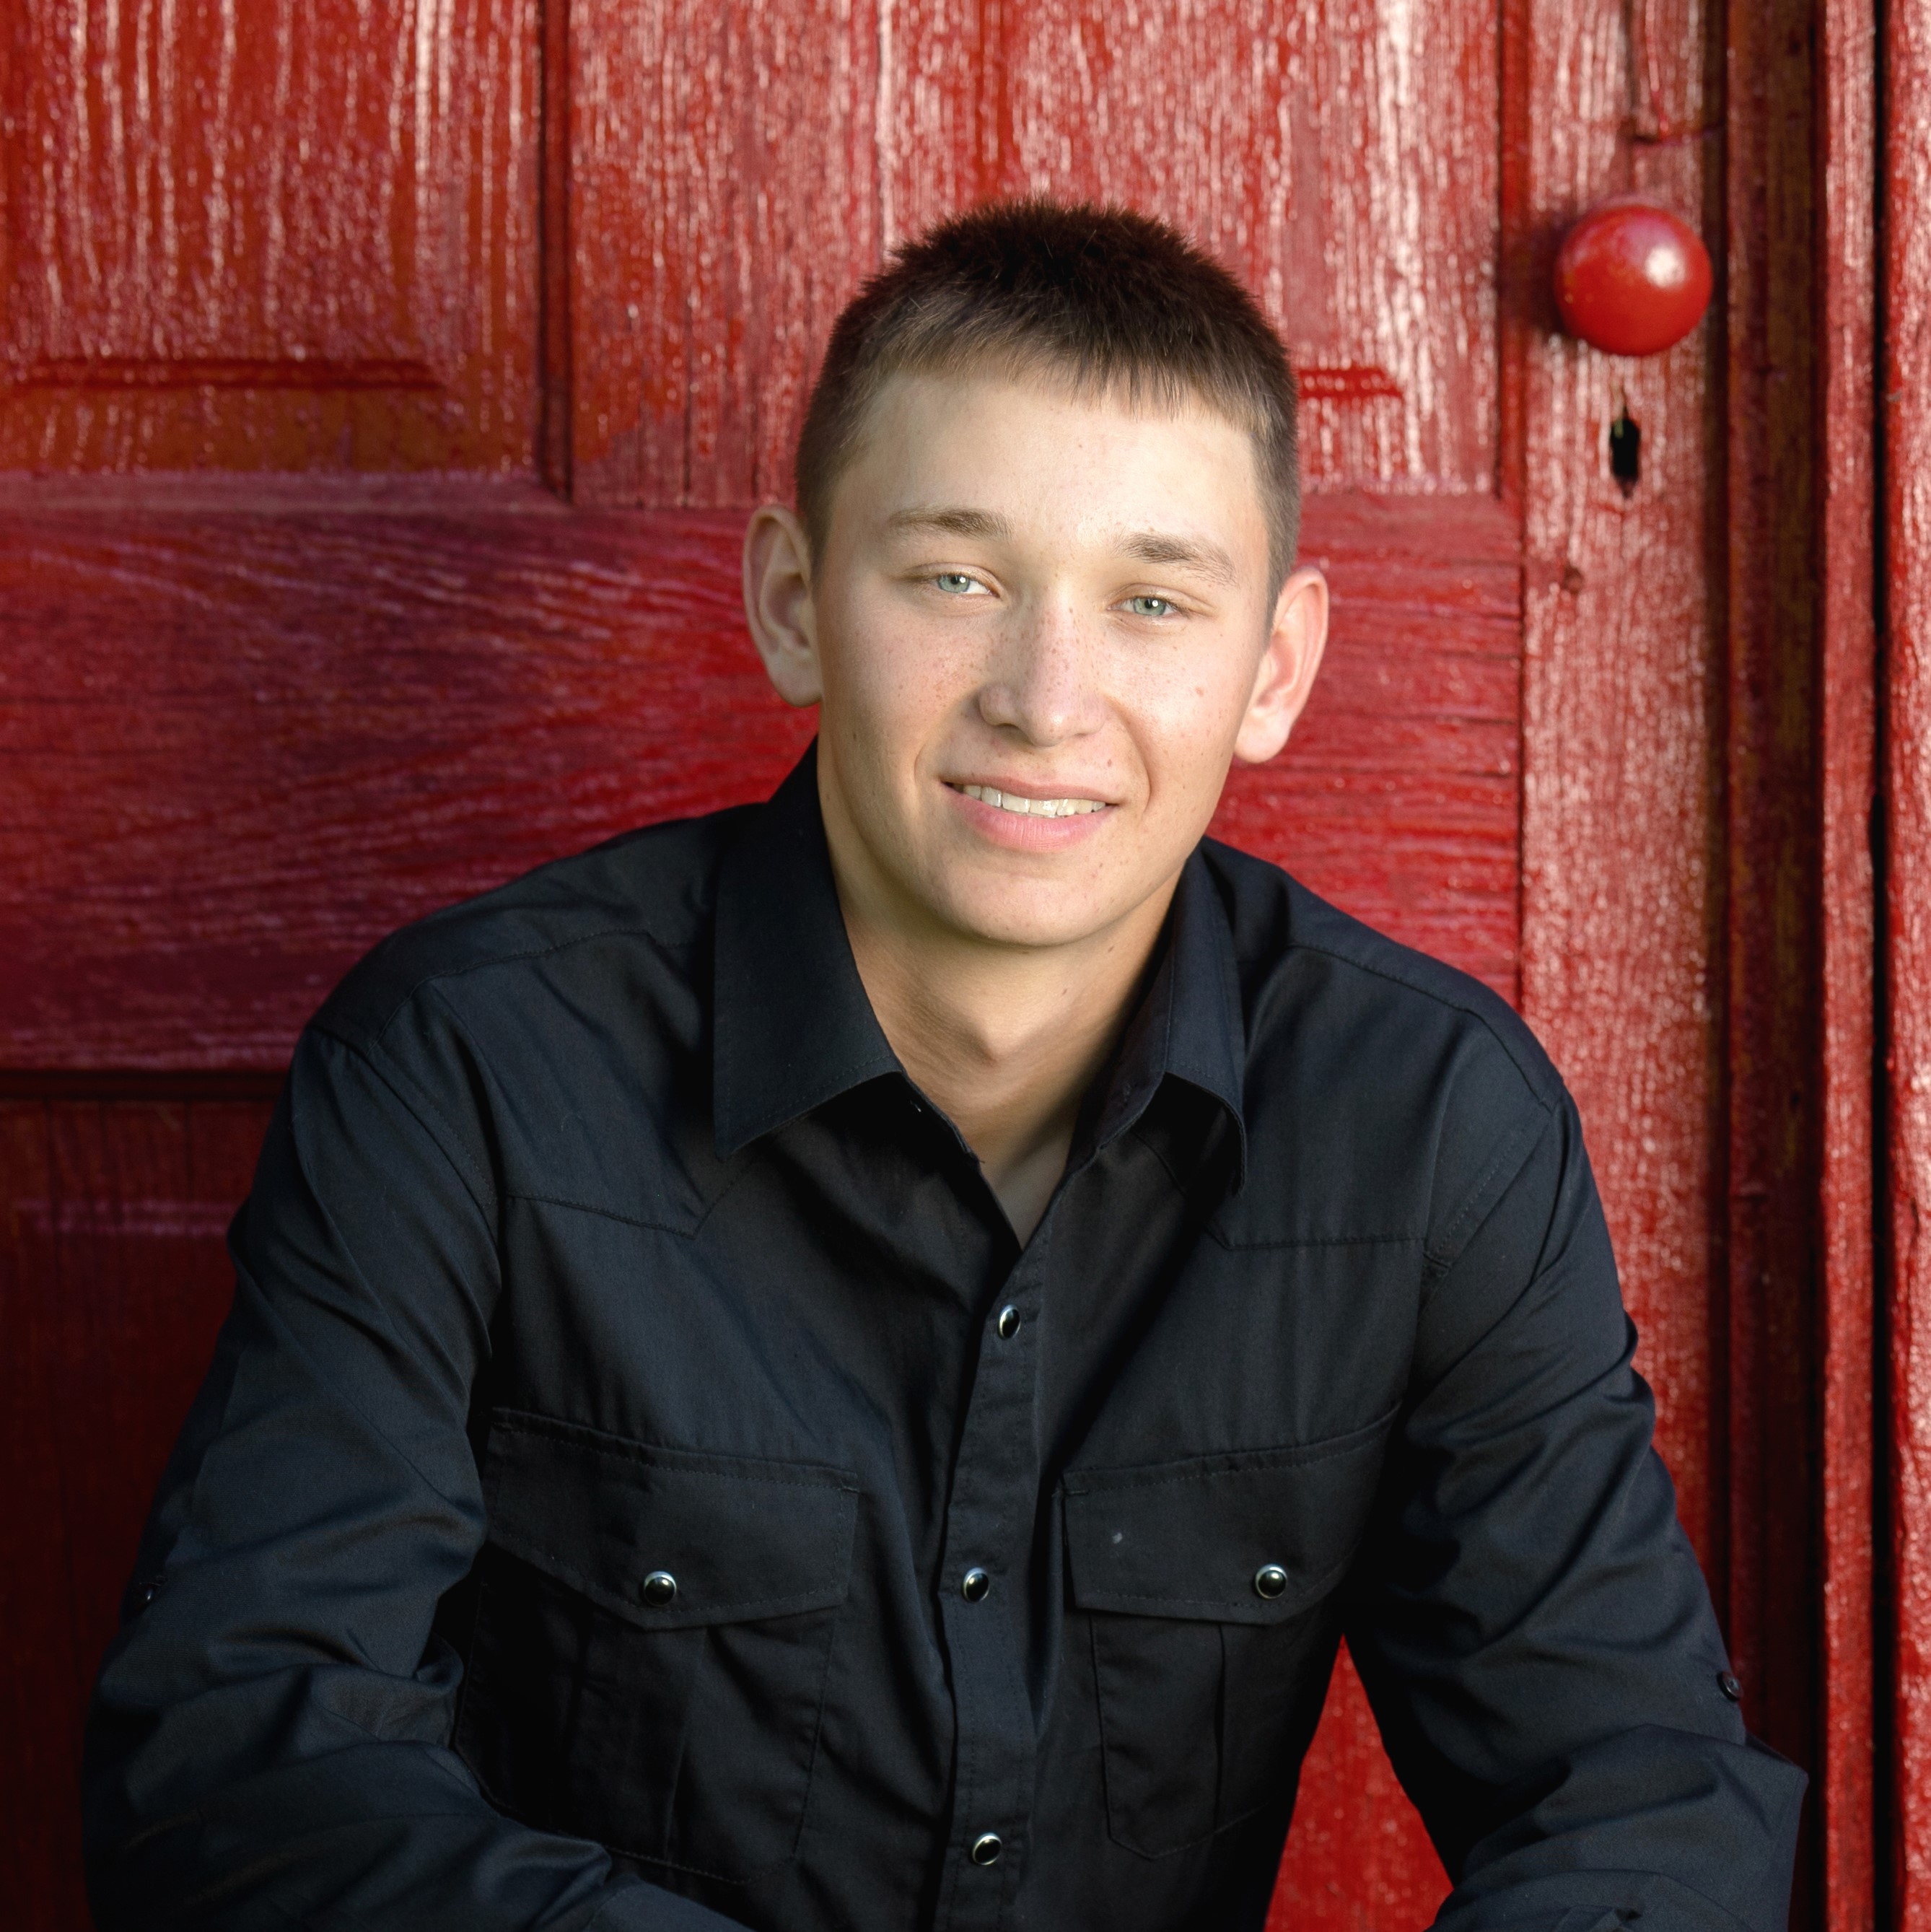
[
  {"x": 1394, "y": 1088},
  {"x": 647, "y": 893},
  {"x": 1294, "y": 947}
]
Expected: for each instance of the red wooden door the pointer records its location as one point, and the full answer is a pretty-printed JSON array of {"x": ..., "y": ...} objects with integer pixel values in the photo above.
[{"x": 385, "y": 385}]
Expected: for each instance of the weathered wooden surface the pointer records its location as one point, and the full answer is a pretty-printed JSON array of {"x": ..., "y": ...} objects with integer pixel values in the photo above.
[
  {"x": 1845, "y": 1766},
  {"x": 281, "y": 235},
  {"x": 235, "y": 749},
  {"x": 1906, "y": 285},
  {"x": 1842, "y": 1343},
  {"x": 1622, "y": 906},
  {"x": 599, "y": 244},
  {"x": 1341, "y": 155},
  {"x": 1799, "y": 718},
  {"x": 112, "y": 1281}
]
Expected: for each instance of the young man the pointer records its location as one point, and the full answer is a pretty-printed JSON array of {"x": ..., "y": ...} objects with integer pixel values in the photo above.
[{"x": 843, "y": 1366}]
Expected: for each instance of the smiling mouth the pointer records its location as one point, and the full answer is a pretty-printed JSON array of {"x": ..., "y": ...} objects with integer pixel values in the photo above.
[{"x": 1031, "y": 807}]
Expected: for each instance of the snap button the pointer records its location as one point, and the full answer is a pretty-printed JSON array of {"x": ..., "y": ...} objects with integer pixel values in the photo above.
[
  {"x": 1269, "y": 1580},
  {"x": 986, "y": 1848},
  {"x": 1009, "y": 1322},
  {"x": 148, "y": 1593},
  {"x": 974, "y": 1585},
  {"x": 660, "y": 1589},
  {"x": 1729, "y": 1686}
]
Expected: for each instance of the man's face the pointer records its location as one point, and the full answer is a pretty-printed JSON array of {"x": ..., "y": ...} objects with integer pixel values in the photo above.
[{"x": 1041, "y": 629}]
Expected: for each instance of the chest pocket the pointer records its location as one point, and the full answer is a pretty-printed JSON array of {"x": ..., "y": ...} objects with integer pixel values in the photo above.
[
  {"x": 653, "y": 1632},
  {"x": 1208, "y": 1587}
]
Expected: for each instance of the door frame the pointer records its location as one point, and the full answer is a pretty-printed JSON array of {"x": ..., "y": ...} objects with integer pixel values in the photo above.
[{"x": 1768, "y": 118}]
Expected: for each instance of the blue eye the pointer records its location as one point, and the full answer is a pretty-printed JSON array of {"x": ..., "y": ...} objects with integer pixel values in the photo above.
[
  {"x": 956, "y": 582},
  {"x": 1151, "y": 607}
]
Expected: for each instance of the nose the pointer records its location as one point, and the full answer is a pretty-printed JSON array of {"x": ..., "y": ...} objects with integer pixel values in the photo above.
[{"x": 1043, "y": 684}]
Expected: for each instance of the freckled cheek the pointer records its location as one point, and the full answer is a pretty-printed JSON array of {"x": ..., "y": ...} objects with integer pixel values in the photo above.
[
  {"x": 898, "y": 704},
  {"x": 1185, "y": 737}
]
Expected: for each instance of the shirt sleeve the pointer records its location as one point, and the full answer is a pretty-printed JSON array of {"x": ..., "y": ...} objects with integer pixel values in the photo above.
[
  {"x": 268, "y": 1746},
  {"x": 1532, "y": 1626}
]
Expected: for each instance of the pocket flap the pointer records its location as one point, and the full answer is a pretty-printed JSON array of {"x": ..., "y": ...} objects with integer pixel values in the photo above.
[
  {"x": 1189, "y": 1539},
  {"x": 742, "y": 1538}
]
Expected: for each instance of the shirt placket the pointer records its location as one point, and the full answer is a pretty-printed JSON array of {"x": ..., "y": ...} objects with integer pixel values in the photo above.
[{"x": 988, "y": 1528}]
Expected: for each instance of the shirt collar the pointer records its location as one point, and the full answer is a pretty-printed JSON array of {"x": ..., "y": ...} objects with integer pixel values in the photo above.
[
  {"x": 792, "y": 1027},
  {"x": 1188, "y": 1024}
]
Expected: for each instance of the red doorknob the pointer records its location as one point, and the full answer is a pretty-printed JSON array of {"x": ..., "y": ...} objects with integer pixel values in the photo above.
[{"x": 1632, "y": 278}]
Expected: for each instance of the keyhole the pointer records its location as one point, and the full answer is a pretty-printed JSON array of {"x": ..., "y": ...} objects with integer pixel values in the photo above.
[{"x": 1626, "y": 450}]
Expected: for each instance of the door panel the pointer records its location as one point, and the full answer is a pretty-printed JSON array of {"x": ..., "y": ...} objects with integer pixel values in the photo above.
[
  {"x": 322, "y": 651},
  {"x": 734, "y": 176},
  {"x": 297, "y": 235}
]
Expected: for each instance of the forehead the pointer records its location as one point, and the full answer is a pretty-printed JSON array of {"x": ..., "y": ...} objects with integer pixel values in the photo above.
[{"x": 1057, "y": 457}]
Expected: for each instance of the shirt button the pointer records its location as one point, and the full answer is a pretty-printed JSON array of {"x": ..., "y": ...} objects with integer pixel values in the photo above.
[
  {"x": 148, "y": 1593},
  {"x": 1729, "y": 1686},
  {"x": 986, "y": 1848},
  {"x": 660, "y": 1589},
  {"x": 1009, "y": 1322},
  {"x": 974, "y": 1585},
  {"x": 1269, "y": 1580}
]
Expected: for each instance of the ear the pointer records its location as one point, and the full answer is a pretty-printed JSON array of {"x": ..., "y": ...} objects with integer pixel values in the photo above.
[
  {"x": 1286, "y": 668},
  {"x": 777, "y": 603}
]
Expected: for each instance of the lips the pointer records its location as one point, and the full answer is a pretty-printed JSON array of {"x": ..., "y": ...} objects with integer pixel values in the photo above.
[{"x": 1022, "y": 806}]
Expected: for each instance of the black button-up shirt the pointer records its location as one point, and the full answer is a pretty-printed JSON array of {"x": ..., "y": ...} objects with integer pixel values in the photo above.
[{"x": 628, "y": 1367}]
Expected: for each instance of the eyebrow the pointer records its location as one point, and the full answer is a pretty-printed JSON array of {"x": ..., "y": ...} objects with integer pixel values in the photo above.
[
  {"x": 1206, "y": 560},
  {"x": 954, "y": 523}
]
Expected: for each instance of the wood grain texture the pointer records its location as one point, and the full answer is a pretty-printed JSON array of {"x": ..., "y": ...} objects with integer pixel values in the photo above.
[
  {"x": 236, "y": 749},
  {"x": 1851, "y": 1829},
  {"x": 1906, "y": 295},
  {"x": 1340, "y": 155},
  {"x": 1621, "y": 871},
  {"x": 1777, "y": 1300},
  {"x": 724, "y": 182},
  {"x": 1358, "y": 1858},
  {"x": 113, "y": 1279},
  {"x": 289, "y": 235}
]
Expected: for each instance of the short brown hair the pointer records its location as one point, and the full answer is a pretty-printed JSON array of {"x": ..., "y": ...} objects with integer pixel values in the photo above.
[{"x": 1103, "y": 297}]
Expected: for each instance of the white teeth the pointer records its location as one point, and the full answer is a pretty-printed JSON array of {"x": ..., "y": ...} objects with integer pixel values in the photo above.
[{"x": 1033, "y": 808}]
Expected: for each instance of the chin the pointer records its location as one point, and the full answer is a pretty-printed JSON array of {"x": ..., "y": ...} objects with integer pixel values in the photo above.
[{"x": 1030, "y": 919}]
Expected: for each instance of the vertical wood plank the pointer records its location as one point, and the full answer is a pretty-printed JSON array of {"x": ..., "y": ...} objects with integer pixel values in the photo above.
[
  {"x": 724, "y": 203},
  {"x": 1846, "y": 1768},
  {"x": 1621, "y": 878},
  {"x": 1906, "y": 192},
  {"x": 1770, "y": 592}
]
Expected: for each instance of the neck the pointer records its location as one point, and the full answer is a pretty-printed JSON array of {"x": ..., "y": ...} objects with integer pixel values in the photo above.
[{"x": 1005, "y": 1040}]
